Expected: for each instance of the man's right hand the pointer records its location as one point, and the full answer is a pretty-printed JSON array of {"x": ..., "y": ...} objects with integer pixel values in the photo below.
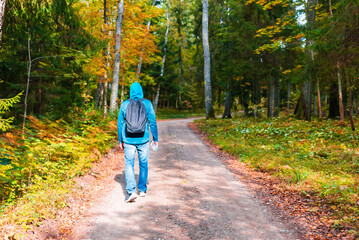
[{"x": 121, "y": 146}]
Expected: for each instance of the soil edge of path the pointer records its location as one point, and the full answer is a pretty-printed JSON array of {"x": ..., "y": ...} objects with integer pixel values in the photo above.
[{"x": 293, "y": 208}]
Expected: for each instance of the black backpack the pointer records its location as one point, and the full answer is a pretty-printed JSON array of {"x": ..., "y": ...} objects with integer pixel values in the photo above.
[{"x": 135, "y": 118}]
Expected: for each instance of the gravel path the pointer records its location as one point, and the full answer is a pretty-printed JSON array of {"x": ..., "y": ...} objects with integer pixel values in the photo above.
[{"x": 191, "y": 195}]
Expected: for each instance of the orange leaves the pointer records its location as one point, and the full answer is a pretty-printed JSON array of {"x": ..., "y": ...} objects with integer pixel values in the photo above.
[
  {"x": 136, "y": 40},
  {"x": 292, "y": 70}
]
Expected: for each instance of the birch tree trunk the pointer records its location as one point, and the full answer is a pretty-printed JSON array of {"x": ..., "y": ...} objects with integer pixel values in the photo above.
[
  {"x": 101, "y": 93},
  {"x": 116, "y": 65},
  {"x": 139, "y": 66},
  {"x": 105, "y": 58},
  {"x": 207, "y": 62},
  {"x": 123, "y": 77},
  {"x": 28, "y": 81},
  {"x": 163, "y": 59},
  {"x": 180, "y": 68},
  {"x": 2, "y": 13},
  {"x": 330, "y": 8},
  {"x": 105, "y": 88},
  {"x": 341, "y": 106},
  {"x": 155, "y": 104}
]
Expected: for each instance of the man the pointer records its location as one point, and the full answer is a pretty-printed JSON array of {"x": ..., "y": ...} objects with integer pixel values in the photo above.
[{"x": 131, "y": 139}]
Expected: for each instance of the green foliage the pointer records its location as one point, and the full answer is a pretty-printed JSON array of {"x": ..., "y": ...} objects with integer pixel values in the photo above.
[
  {"x": 319, "y": 157},
  {"x": 5, "y": 105},
  {"x": 54, "y": 30},
  {"x": 173, "y": 113},
  {"x": 37, "y": 170}
]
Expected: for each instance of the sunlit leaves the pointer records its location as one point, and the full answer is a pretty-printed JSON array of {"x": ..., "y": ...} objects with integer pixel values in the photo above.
[
  {"x": 5, "y": 105},
  {"x": 45, "y": 161},
  {"x": 269, "y": 4},
  {"x": 136, "y": 39},
  {"x": 275, "y": 32}
]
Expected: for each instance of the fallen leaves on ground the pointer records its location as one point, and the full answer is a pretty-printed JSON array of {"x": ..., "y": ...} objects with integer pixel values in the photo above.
[{"x": 305, "y": 210}]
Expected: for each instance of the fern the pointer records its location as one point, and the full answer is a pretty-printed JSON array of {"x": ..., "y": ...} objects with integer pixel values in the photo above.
[{"x": 5, "y": 105}]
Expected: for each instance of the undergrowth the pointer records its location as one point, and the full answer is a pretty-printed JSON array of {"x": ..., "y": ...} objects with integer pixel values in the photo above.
[
  {"x": 174, "y": 113},
  {"x": 320, "y": 157},
  {"x": 37, "y": 168}
]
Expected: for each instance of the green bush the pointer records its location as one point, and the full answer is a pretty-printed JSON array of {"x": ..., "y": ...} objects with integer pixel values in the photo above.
[{"x": 46, "y": 159}]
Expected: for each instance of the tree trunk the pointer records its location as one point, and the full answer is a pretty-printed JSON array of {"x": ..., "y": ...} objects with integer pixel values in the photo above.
[
  {"x": 28, "y": 81},
  {"x": 276, "y": 96},
  {"x": 341, "y": 106},
  {"x": 333, "y": 101},
  {"x": 306, "y": 89},
  {"x": 350, "y": 96},
  {"x": 207, "y": 62},
  {"x": 319, "y": 101},
  {"x": 180, "y": 67},
  {"x": 157, "y": 96},
  {"x": 98, "y": 93},
  {"x": 2, "y": 13},
  {"x": 345, "y": 92},
  {"x": 123, "y": 77},
  {"x": 163, "y": 60},
  {"x": 271, "y": 97},
  {"x": 105, "y": 57},
  {"x": 116, "y": 65},
  {"x": 101, "y": 93},
  {"x": 228, "y": 103},
  {"x": 105, "y": 99},
  {"x": 257, "y": 95},
  {"x": 245, "y": 102},
  {"x": 298, "y": 111},
  {"x": 139, "y": 66},
  {"x": 330, "y": 8},
  {"x": 307, "y": 85},
  {"x": 288, "y": 98},
  {"x": 315, "y": 105}
]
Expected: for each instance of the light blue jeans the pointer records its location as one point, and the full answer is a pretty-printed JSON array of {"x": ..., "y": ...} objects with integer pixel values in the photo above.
[{"x": 143, "y": 151}]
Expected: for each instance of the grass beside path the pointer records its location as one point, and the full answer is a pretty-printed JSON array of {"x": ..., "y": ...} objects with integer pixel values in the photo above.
[
  {"x": 174, "y": 113},
  {"x": 318, "y": 158}
]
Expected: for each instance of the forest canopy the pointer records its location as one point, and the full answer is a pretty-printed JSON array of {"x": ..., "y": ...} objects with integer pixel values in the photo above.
[{"x": 266, "y": 57}]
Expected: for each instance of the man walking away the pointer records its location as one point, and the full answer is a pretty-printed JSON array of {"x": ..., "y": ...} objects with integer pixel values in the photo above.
[{"x": 135, "y": 118}]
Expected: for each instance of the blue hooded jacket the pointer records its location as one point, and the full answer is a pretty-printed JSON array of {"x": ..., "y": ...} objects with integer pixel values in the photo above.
[{"x": 135, "y": 94}]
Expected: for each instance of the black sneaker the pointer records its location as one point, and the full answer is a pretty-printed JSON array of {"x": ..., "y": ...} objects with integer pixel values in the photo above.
[{"x": 131, "y": 198}]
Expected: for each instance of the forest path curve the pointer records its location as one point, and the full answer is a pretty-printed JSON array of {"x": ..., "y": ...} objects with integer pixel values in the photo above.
[{"x": 191, "y": 195}]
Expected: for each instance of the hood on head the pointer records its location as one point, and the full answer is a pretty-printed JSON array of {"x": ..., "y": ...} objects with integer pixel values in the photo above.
[{"x": 136, "y": 91}]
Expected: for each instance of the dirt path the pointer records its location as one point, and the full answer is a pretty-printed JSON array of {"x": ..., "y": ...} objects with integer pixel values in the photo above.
[{"x": 191, "y": 195}]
